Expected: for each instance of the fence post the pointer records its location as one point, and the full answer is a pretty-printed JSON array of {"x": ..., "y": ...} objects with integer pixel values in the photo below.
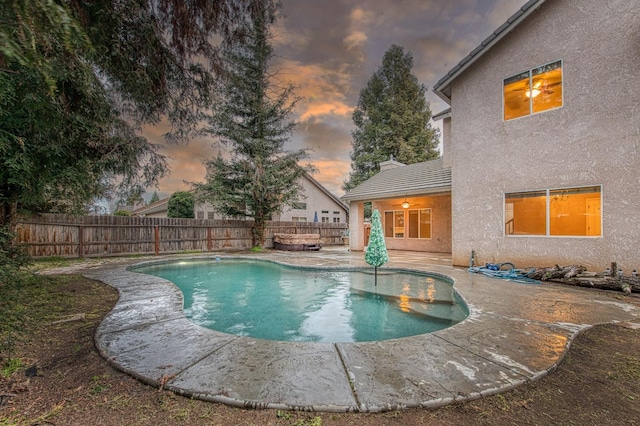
[
  {"x": 209, "y": 242},
  {"x": 80, "y": 241},
  {"x": 156, "y": 230}
]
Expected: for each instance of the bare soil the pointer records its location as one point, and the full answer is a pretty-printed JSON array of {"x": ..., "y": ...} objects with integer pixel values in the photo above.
[{"x": 63, "y": 380}]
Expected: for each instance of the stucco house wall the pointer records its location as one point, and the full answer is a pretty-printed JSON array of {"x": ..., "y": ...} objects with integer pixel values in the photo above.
[
  {"x": 593, "y": 139},
  {"x": 319, "y": 201},
  {"x": 440, "y": 205}
]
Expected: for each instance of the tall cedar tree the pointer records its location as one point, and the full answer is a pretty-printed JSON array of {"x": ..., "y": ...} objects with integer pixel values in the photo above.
[
  {"x": 253, "y": 120},
  {"x": 77, "y": 80},
  {"x": 392, "y": 118}
]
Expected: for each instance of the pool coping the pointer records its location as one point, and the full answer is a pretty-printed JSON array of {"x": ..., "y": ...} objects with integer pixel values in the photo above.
[{"x": 506, "y": 341}]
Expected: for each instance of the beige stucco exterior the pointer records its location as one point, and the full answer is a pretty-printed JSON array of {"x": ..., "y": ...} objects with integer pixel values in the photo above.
[
  {"x": 440, "y": 206},
  {"x": 317, "y": 200},
  {"x": 593, "y": 139}
]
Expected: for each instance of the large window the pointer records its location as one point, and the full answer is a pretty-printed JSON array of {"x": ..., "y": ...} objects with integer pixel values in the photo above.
[
  {"x": 533, "y": 91},
  {"x": 418, "y": 223},
  {"x": 394, "y": 224},
  {"x": 575, "y": 212}
]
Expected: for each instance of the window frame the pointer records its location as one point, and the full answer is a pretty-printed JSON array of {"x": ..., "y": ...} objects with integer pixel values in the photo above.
[
  {"x": 394, "y": 228},
  {"x": 531, "y": 98},
  {"x": 548, "y": 195},
  {"x": 405, "y": 224},
  {"x": 299, "y": 205},
  {"x": 419, "y": 224}
]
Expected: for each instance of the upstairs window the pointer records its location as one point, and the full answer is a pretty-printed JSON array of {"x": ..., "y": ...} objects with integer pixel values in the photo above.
[
  {"x": 533, "y": 91},
  {"x": 299, "y": 206}
]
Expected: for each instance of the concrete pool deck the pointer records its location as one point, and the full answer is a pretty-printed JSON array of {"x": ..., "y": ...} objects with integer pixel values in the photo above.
[{"x": 515, "y": 333}]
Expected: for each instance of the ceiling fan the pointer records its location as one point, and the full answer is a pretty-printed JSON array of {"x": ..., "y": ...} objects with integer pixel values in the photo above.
[{"x": 539, "y": 87}]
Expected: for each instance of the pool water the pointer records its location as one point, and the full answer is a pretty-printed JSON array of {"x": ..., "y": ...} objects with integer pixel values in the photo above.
[{"x": 270, "y": 301}]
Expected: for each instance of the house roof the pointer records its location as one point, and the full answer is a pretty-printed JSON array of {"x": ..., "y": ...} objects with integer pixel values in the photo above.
[
  {"x": 326, "y": 191},
  {"x": 428, "y": 177},
  {"x": 442, "y": 115},
  {"x": 157, "y": 207},
  {"x": 443, "y": 87}
]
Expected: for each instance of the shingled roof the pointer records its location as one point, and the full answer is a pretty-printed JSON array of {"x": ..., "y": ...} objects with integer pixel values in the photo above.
[{"x": 428, "y": 177}]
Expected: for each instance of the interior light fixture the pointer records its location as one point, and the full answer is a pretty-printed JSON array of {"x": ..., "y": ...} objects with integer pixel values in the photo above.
[
  {"x": 534, "y": 93},
  {"x": 405, "y": 204}
]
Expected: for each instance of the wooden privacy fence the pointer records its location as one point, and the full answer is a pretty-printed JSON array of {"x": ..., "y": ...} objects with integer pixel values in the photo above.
[{"x": 87, "y": 236}]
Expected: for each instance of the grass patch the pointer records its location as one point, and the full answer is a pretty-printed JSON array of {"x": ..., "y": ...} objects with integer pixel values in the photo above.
[
  {"x": 26, "y": 302},
  {"x": 11, "y": 366}
]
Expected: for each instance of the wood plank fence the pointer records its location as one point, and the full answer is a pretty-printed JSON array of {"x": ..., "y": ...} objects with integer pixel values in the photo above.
[{"x": 91, "y": 236}]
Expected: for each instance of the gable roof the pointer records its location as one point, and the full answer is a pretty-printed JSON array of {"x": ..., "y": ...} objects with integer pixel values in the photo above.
[
  {"x": 443, "y": 87},
  {"x": 326, "y": 191},
  {"x": 428, "y": 177},
  {"x": 156, "y": 207}
]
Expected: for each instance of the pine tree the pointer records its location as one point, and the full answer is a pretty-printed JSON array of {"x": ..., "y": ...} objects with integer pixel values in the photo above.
[
  {"x": 253, "y": 119},
  {"x": 154, "y": 198},
  {"x": 392, "y": 118}
]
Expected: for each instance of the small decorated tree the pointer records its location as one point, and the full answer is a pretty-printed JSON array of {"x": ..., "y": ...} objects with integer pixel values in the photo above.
[{"x": 376, "y": 254}]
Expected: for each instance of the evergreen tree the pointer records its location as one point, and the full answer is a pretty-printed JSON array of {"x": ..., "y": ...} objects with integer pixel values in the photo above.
[
  {"x": 78, "y": 78},
  {"x": 253, "y": 119},
  {"x": 154, "y": 198},
  {"x": 181, "y": 205},
  {"x": 392, "y": 118}
]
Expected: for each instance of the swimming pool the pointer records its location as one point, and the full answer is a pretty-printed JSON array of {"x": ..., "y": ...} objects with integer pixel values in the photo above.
[{"x": 271, "y": 301}]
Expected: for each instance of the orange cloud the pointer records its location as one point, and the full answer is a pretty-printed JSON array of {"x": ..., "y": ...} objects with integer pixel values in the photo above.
[
  {"x": 331, "y": 174},
  {"x": 322, "y": 89}
]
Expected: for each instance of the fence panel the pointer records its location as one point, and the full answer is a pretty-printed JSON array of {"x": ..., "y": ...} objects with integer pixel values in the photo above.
[{"x": 49, "y": 235}]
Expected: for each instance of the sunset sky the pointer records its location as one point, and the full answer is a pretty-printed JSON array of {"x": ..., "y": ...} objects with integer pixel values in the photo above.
[{"x": 329, "y": 49}]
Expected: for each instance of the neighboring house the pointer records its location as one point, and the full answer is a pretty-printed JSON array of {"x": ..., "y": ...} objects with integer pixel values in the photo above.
[
  {"x": 315, "y": 202},
  {"x": 543, "y": 137},
  {"x": 160, "y": 208}
]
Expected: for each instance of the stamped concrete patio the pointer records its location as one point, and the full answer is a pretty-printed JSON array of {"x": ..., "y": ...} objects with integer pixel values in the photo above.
[{"x": 514, "y": 333}]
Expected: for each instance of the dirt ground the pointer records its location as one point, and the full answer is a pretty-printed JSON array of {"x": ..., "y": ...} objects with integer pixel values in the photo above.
[{"x": 63, "y": 381}]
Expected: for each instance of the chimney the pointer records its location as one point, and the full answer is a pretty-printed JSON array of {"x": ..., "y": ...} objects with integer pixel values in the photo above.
[{"x": 390, "y": 164}]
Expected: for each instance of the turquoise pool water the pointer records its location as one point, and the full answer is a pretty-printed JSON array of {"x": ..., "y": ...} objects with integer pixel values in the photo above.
[{"x": 271, "y": 301}]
